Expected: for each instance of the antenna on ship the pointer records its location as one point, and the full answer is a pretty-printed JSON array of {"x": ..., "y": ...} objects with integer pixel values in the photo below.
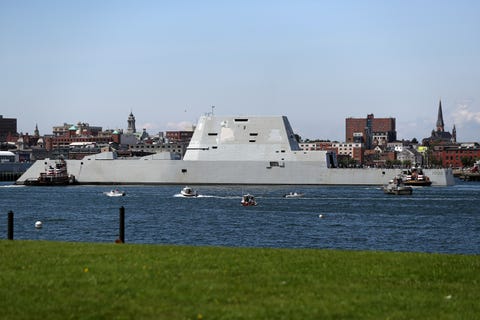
[{"x": 213, "y": 107}]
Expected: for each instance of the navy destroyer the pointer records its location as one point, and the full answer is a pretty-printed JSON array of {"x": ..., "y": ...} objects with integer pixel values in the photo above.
[{"x": 230, "y": 150}]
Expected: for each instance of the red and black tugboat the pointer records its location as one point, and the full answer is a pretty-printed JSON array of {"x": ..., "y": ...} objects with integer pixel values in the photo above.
[
  {"x": 54, "y": 175},
  {"x": 416, "y": 177}
]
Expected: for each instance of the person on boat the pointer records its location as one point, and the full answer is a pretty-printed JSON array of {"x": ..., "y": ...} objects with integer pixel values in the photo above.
[
  {"x": 248, "y": 200},
  {"x": 414, "y": 175}
]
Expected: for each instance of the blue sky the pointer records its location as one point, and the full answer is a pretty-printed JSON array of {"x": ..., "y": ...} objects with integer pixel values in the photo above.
[{"x": 317, "y": 62}]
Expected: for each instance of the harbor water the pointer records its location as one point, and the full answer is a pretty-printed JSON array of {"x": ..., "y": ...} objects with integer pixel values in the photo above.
[{"x": 432, "y": 219}]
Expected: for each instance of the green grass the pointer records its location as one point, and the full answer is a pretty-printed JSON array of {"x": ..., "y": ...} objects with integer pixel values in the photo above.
[{"x": 55, "y": 280}]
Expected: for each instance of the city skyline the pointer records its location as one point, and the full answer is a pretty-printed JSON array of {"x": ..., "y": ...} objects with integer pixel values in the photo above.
[
  {"x": 131, "y": 127},
  {"x": 317, "y": 63}
]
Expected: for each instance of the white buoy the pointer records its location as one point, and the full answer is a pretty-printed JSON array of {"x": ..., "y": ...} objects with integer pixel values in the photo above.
[
  {"x": 38, "y": 224},
  {"x": 320, "y": 216}
]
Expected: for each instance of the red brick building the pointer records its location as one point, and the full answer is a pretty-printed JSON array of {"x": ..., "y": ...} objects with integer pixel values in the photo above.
[
  {"x": 370, "y": 131},
  {"x": 179, "y": 136},
  {"x": 352, "y": 150},
  {"x": 316, "y": 145},
  {"x": 67, "y": 134},
  {"x": 451, "y": 155},
  {"x": 52, "y": 143},
  {"x": 81, "y": 128},
  {"x": 8, "y": 126}
]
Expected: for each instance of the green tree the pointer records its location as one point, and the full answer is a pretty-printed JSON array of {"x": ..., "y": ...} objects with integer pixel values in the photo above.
[
  {"x": 397, "y": 162},
  {"x": 346, "y": 162},
  {"x": 407, "y": 163},
  {"x": 435, "y": 162},
  {"x": 467, "y": 161}
]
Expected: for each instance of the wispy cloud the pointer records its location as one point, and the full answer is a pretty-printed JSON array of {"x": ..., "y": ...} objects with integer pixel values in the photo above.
[
  {"x": 150, "y": 126},
  {"x": 464, "y": 115},
  {"x": 183, "y": 125}
]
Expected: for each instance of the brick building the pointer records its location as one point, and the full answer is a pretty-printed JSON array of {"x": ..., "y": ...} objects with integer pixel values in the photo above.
[
  {"x": 80, "y": 129},
  {"x": 370, "y": 131},
  {"x": 316, "y": 145},
  {"x": 68, "y": 135},
  {"x": 8, "y": 126},
  {"x": 377, "y": 157},
  {"x": 179, "y": 136},
  {"x": 451, "y": 155},
  {"x": 352, "y": 150},
  {"x": 52, "y": 143}
]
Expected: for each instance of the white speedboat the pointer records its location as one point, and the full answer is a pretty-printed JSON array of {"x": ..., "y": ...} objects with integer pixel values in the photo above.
[
  {"x": 248, "y": 200},
  {"x": 293, "y": 195},
  {"x": 188, "y": 192},
  {"x": 115, "y": 193},
  {"x": 397, "y": 187}
]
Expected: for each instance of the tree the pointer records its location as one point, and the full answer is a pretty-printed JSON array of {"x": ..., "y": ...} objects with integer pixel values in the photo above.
[
  {"x": 407, "y": 163},
  {"x": 467, "y": 161},
  {"x": 346, "y": 162},
  {"x": 435, "y": 162},
  {"x": 397, "y": 162}
]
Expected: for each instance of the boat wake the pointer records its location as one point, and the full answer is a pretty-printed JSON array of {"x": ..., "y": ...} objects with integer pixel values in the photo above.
[
  {"x": 179, "y": 195},
  {"x": 13, "y": 186}
]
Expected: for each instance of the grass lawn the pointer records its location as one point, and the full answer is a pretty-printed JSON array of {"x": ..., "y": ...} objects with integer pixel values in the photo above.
[{"x": 56, "y": 280}]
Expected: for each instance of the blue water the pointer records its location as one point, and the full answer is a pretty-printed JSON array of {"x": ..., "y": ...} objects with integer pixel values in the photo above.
[{"x": 433, "y": 219}]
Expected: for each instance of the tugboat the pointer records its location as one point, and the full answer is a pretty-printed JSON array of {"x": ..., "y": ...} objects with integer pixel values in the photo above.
[
  {"x": 53, "y": 176},
  {"x": 397, "y": 187},
  {"x": 415, "y": 177},
  {"x": 188, "y": 192},
  {"x": 248, "y": 200}
]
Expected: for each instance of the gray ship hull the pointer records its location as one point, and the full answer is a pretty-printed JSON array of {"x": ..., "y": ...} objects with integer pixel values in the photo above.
[{"x": 140, "y": 171}]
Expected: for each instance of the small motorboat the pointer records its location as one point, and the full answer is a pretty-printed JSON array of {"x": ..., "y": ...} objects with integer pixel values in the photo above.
[
  {"x": 188, "y": 192},
  {"x": 115, "y": 193},
  {"x": 248, "y": 200},
  {"x": 397, "y": 187},
  {"x": 293, "y": 195}
]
